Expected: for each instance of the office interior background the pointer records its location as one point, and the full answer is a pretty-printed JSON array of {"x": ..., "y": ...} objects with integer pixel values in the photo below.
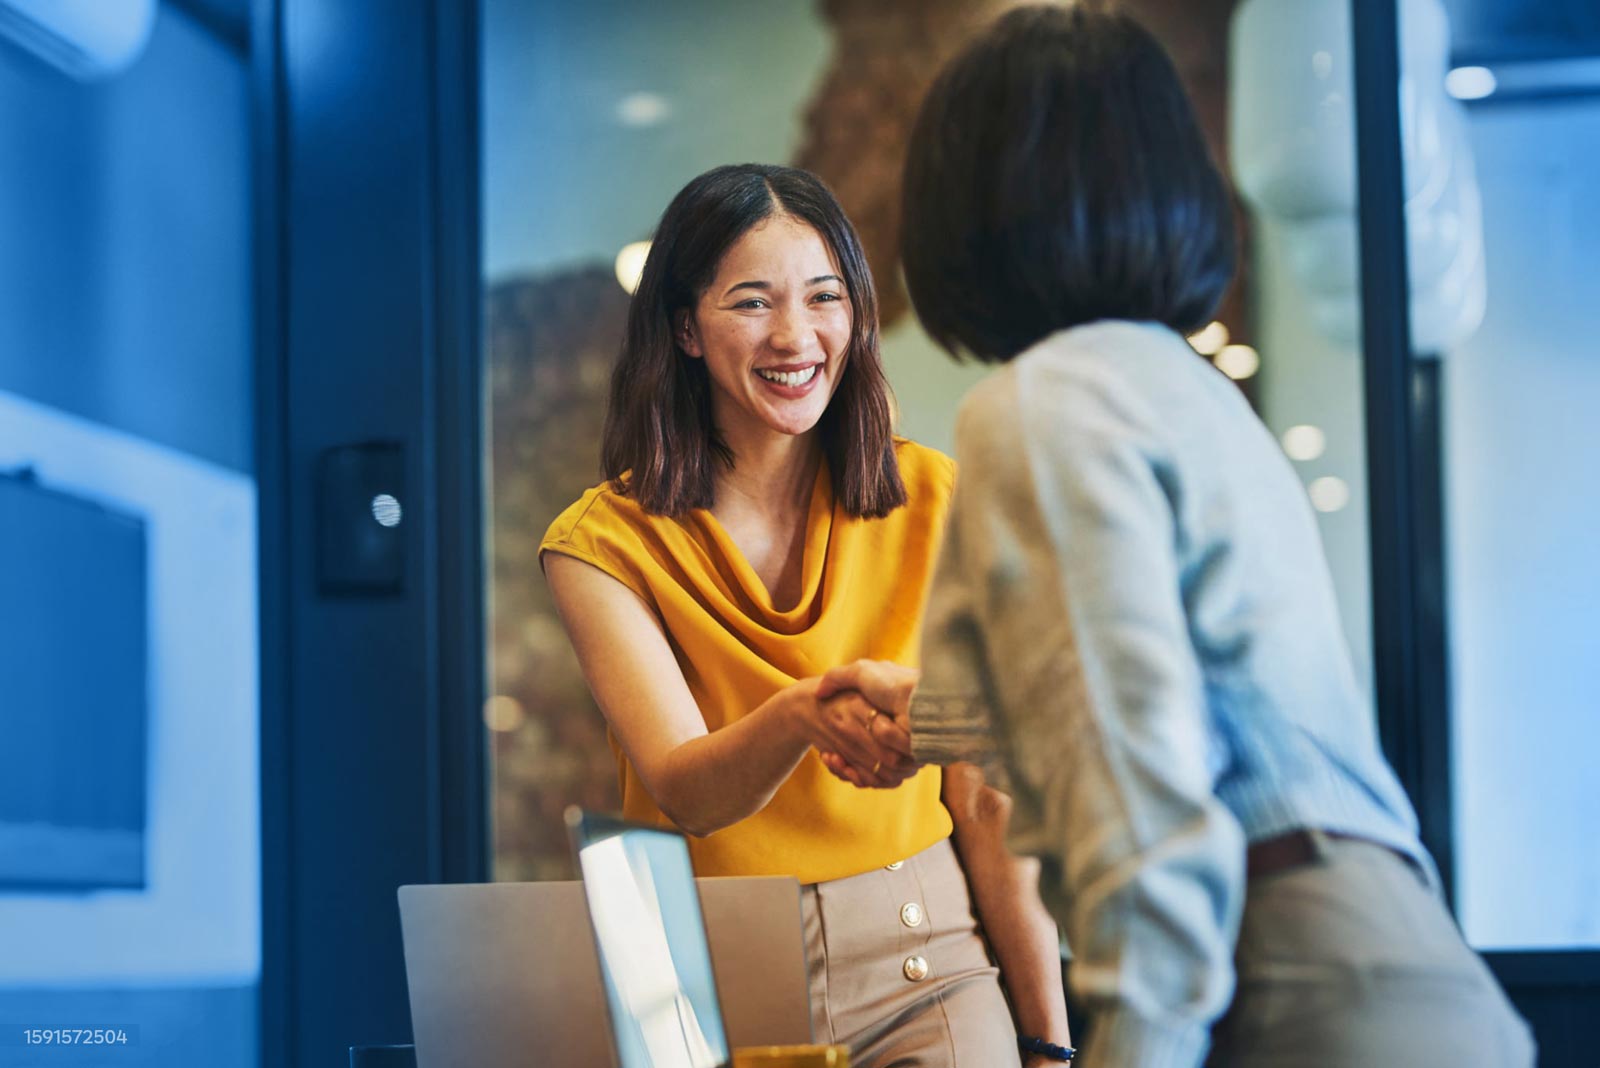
[{"x": 306, "y": 313}]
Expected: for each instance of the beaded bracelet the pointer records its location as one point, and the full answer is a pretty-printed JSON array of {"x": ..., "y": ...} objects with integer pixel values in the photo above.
[{"x": 1029, "y": 1044}]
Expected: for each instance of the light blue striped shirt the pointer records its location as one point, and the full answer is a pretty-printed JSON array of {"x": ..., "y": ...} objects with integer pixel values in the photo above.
[{"x": 1133, "y": 620}]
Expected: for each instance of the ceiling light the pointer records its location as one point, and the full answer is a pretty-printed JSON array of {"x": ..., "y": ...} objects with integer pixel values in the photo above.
[
  {"x": 643, "y": 109},
  {"x": 630, "y": 264},
  {"x": 1304, "y": 442},
  {"x": 504, "y": 714},
  {"x": 1329, "y": 494},
  {"x": 1470, "y": 83},
  {"x": 1238, "y": 362},
  {"x": 1209, "y": 339}
]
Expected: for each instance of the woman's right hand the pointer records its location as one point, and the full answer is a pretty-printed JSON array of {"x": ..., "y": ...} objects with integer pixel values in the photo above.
[{"x": 842, "y": 725}]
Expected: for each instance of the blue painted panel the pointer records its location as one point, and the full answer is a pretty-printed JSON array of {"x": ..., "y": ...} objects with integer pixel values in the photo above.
[
  {"x": 1490, "y": 30},
  {"x": 73, "y": 690},
  {"x": 125, "y": 261}
]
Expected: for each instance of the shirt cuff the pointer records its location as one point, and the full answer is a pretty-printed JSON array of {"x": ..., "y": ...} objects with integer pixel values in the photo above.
[
  {"x": 949, "y": 729},
  {"x": 1121, "y": 1037}
]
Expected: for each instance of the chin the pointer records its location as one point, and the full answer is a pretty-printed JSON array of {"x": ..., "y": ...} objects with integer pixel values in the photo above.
[{"x": 795, "y": 427}]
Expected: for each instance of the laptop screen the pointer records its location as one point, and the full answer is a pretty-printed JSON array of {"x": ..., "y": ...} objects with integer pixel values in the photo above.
[{"x": 651, "y": 938}]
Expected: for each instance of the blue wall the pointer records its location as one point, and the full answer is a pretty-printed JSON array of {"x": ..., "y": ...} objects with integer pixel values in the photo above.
[
  {"x": 125, "y": 301},
  {"x": 125, "y": 243}
]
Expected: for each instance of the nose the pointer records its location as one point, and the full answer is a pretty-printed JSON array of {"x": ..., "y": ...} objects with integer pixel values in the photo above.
[{"x": 788, "y": 331}]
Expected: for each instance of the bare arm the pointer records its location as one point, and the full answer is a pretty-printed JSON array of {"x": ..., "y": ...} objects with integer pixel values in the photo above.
[
  {"x": 1005, "y": 891},
  {"x": 702, "y": 780}
]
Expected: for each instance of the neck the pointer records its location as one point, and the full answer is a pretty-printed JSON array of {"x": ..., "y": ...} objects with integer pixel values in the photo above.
[{"x": 772, "y": 473}]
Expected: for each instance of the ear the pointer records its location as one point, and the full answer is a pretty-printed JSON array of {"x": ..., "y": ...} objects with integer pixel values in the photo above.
[{"x": 684, "y": 334}]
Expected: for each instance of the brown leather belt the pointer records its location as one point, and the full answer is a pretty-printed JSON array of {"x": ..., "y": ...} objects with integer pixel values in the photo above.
[{"x": 1294, "y": 849}]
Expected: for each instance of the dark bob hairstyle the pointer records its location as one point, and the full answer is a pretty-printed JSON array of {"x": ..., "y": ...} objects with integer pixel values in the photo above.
[
  {"x": 658, "y": 423},
  {"x": 1056, "y": 175}
]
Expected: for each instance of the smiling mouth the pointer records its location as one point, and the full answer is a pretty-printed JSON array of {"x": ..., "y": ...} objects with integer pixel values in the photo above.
[{"x": 789, "y": 378}]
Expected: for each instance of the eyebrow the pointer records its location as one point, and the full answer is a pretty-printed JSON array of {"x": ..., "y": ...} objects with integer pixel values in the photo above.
[{"x": 764, "y": 286}]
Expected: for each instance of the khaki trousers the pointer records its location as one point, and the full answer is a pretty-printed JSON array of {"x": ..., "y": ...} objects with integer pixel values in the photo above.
[
  {"x": 899, "y": 973},
  {"x": 1351, "y": 960}
]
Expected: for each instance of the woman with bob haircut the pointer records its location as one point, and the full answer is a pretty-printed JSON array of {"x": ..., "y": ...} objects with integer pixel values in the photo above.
[
  {"x": 1132, "y": 615},
  {"x": 759, "y": 523}
]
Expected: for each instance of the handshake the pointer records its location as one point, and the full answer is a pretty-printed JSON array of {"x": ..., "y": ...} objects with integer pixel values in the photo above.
[{"x": 860, "y": 720}]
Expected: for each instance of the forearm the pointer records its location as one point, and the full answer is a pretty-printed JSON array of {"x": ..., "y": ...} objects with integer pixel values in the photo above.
[
  {"x": 1022, "y": 934},
  {"x": 1005, "y": 894},
  {"x": 720, "y": 778}
]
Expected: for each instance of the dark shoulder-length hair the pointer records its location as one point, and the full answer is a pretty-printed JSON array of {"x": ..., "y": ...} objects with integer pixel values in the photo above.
[
  {"x": 1056, "y": 175},
  {"x": 658, "y": 426}
]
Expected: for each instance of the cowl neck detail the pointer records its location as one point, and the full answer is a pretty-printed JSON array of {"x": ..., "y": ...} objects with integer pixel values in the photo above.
[{"x": 738, "y": 578}]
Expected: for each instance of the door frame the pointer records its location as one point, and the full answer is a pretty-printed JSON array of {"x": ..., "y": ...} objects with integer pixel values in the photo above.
[{"x": 364, "y": 117}]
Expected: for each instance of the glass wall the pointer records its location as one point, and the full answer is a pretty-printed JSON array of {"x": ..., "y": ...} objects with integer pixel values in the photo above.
[
  {"x": 129, "y": 797},
  {"x": 1292, "y": 150},
  {"x": 1520, "y": 441},
  {"x": 594, "y": 116},
  {"x": 1499, "y": 125}
]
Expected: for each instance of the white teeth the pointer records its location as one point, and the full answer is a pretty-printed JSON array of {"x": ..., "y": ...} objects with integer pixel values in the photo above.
[{"x": 790, "y": 378}]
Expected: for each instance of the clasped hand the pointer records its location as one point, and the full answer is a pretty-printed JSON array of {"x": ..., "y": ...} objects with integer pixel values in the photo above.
[{"x": 868, "y": 704}]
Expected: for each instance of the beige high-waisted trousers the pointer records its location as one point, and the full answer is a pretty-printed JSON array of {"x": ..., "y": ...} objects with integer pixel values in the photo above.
[{"x": 899, "y": 973}]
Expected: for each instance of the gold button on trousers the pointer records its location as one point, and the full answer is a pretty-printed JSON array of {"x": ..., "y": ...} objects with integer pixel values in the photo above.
[{"x": 898, "y": 971}]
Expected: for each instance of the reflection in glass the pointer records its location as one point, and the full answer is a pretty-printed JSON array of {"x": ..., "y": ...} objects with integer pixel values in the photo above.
[{"x": 653, "y": 950}]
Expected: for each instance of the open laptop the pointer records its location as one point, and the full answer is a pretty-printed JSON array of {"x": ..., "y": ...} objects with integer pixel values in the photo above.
[
  {"x": 507, "y": 974},
  {"x": 655, "y": 957}
]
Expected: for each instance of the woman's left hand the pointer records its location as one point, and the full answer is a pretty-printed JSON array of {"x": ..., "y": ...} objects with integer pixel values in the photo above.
[{"x": 886, "y": 686}]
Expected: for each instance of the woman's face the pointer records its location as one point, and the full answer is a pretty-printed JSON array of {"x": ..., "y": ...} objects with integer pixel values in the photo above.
[{"x": 773, "y": 328}]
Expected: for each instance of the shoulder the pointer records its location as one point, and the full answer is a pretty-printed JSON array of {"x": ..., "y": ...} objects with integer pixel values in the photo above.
[
  {"x": 924, "y": 470},
  {"x": 604, "y": 522},
  {"x": 1094, "y": 383},
  {"x": 601, "y": 512},
  {"x": 608, "y": 530},
  {"x": 1078, "y": 407},
  {"x": 930, "y": 480}
]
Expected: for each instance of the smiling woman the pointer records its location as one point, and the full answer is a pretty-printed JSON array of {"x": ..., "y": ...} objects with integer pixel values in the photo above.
[{"x": 754, "y": 490}]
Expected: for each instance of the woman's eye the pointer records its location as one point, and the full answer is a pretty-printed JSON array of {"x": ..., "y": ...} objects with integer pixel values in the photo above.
[
  {"x": 753, "y": 302},
  {"x": 827, "y": 297}
]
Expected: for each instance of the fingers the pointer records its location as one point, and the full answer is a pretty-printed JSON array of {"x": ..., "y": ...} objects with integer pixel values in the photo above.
[
  {"x": 842, "y": 769},
  {"x": 854, "y": 736},
  {"x": 885, "y": 778},
  {"x": 891, "y": 734},
  {"x": 847, "y": 719},
  {"x": 885, "y": 684},
  {"x": 839, "y": 679}
]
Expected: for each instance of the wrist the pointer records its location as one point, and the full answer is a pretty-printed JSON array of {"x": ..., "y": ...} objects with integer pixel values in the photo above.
[
  {"x": 1041, "y": 1051},
  {"x": 795, "y": 706}
]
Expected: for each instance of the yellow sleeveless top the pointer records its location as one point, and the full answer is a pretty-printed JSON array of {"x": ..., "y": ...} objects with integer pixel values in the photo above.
[{"x": 864, "y": 583}]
